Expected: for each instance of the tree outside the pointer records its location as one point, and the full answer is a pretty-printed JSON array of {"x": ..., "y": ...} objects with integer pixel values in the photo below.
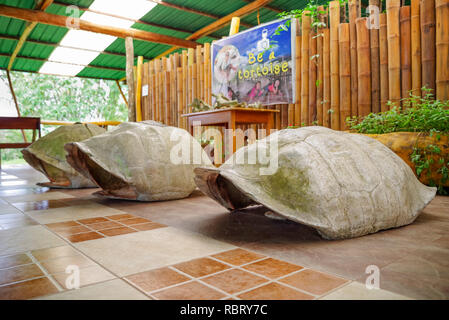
[{"x": 57, "y": 98}]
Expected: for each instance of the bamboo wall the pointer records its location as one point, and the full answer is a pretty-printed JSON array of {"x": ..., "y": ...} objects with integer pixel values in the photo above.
[{"x": 357, "y": 71}]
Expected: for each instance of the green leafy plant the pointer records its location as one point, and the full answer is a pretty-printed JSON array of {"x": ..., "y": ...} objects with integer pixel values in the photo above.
[{"x": 418, "y": 114}]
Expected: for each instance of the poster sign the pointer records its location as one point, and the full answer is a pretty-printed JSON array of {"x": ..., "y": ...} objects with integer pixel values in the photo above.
[{"x": 257, "y": 65}]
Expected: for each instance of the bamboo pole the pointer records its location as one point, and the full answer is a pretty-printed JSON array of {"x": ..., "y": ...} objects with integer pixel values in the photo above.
[
  {"x": 139, "y": 89},
  {"x": 306, "y": 21},
  {"x": 326, "y": 78},
  {"x": 179, "y": 95},
  {"x": 207, "y": 65},
  {"x": 145, "y": 96},
  {"x": 353, "y": 15},
  {"x": 375, "y": 63},
  {"x": 157, "y": 70},
  {"x": 416, "y": 47},
  {"x": 130, "y": 79},
  {"x": 442, "y": 47},
  {"x": 312, "y": 78},
  {"x": 334, "y": 10},
  {"x": 394, "y": 51},
  {"x": 319, "y": 89},
  {"x": 364, "y": 67},
  {"x": 184, "y": 65},
  {"x": 406, "y": 56},
  {"x": 153, "y": 90},
  {"x": 428, "y": 43},
  {"x": 383, "y": 59},
  {"x": 298, "y": 82},
  {"x": 345, "y": 74}
]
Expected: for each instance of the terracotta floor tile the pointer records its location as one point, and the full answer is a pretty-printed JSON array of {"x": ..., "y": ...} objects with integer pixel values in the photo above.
[
  {"x": 130, "y": 222},
  {"x": 121, "y": 216},
  {"x": 27, "y": 289},
  {"x": 314, "y": 282},
  {"x": 19, "y": 273},
  {"x": 92, "y": 220},
  {"x": 238, "y": 256},
  {"x": 156, "y": 279},
  {"x": 201, "y": 267},
  {"x": 53, "y": 253},
  {"x": 189, "y": 291},
  {"x": 272, "y": 268},
  {"x": 84, "y": 237},
  {"x": 234, "y": 281},
  {"x": 88, "y": 276},
  {"x": 117, "y": 231},
  {"x": 274, "y": 291},
  {"x": 105, "y": 225},
  {"x": 14, "y": 260},
  {"x": 39, "y": 205},
  {"x": 60, "y": 264},
  {"x": 62, "y": 225},
  {"x": 148, "y": 226},
  {"x": 65, "y": 232}
]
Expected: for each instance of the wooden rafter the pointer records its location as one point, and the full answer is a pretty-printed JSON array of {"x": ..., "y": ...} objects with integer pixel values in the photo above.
[
  {"x": 60, "y": 21},
  {"x": 42, "y": 5},
  {"x": 220, "y": 23},
  {"x": 194, "y": 11},
  {"x": 46, "y": 60},
  {"x": 54, "y": 44},
  {"x": 139, "y": 21}
]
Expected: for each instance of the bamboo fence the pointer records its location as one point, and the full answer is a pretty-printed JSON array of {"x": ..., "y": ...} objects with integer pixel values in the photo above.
[{"x": 355, "y": 70}]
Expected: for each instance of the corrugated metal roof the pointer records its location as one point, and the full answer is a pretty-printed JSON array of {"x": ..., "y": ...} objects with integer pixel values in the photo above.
[{"x": 161, "y": 15}]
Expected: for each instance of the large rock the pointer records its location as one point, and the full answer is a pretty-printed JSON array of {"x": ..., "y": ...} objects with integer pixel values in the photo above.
[
  {"x": 47, "y": 155},
  {"x": 139, "y": 161},
  {"x": 343, "y": 185}
]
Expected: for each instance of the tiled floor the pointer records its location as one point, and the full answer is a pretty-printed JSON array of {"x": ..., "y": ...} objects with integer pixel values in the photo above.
[{"x": 195, "y": 249}]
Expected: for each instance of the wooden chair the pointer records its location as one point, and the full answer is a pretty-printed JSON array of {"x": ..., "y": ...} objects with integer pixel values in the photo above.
[{"x": 19, "y": 123}]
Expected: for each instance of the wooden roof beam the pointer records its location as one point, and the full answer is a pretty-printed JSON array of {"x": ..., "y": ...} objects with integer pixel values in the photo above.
[
  {"x": 151, "y": 24},
  {"x": 42, "y": 5},
  {"x": 220, "y": 23},
  {"x": 60, "y": 21},
  {"x": 194, "y": 11}
]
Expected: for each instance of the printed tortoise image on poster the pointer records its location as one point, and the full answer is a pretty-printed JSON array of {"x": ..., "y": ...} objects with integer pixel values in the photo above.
[{"x": 257, "y": 65}]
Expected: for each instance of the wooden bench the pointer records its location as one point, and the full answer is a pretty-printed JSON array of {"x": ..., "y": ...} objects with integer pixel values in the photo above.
[{"x": 19, "y": 123}]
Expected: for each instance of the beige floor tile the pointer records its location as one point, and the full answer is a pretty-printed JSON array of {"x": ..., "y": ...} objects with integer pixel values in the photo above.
[
  {"x": 88, "y": 276},
  {"x": 8, "y": 209},
  {"x": 111, "y": 290},
  {"x": 142, "y": 251},
  {"x": 54, "y": 195},
  {"x": 72, "y": 213},
  {"x": 358, "y": 291},
  {"x": 27, "y": 238}
]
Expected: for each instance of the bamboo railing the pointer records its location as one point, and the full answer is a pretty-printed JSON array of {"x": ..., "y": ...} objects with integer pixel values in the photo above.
[{"x": 357, "y": 71}]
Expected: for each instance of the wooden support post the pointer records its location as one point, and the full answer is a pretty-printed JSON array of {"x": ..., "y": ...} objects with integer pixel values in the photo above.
[
  {"x": 334, "y": 10},
  {"x": 375, "y": 63},
  {"x": 130, "y": 79},
  {"x": 394, "y": 51},
  {"x": 139, "y": 89},
  {"x": 353, "y": 15},
  {"x": 121, "y": 92},
  {"x": 11, "y": 87},
  {"x": 416, "y": 47},
  {"x": 364, "y": 67},
  {"x": 345, "y": 74},
  {"x": 383, "y": 59},
  {"x": 428, "y": 43},
  {"x": 406, "y": 56},
  {"x": 442, "y": 47}
]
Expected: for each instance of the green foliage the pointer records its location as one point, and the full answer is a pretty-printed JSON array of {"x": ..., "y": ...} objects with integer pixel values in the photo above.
[
  {"x": 64, "y": 99},
  {"x": 419, "y": 114}
]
